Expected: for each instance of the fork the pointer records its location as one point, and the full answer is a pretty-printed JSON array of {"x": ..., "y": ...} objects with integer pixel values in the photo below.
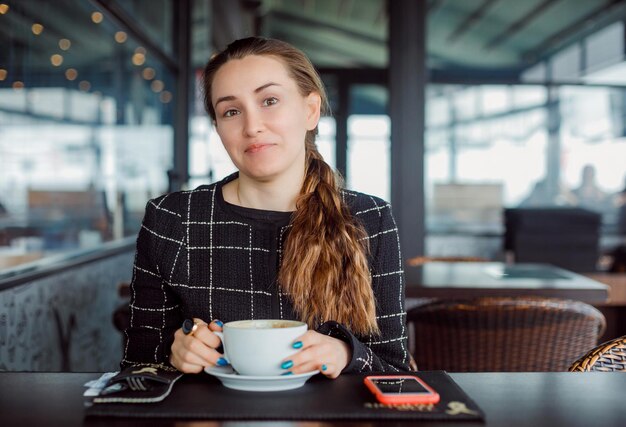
[{"x": 137, "y": 384}]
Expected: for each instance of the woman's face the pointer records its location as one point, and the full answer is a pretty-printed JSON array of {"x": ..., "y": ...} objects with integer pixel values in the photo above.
[{"x": 262, "y": 118}]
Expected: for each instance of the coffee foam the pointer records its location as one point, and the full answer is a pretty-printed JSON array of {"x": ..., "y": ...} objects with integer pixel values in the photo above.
[{"x": 265, "y": 324}]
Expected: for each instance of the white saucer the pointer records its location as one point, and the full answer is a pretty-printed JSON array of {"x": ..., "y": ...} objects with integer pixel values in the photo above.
[{"x": 231, "y": 379}]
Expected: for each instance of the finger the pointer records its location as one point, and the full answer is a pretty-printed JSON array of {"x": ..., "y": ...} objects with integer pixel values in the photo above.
[
  {"x": 302, "y": 343},
  {"x": 320, "y": 351},
  {"x": 330, "y": 370},
  {"x": 309, "y": 359},
  {"x": 198, "y": 321},
  {"x": 216, "y": 325},
  {"x": 197, "y": 347},
  {"x": 187, "y": 349},
  {"x": 199, "y": 354},
  {"x": 310, "y": 345},
  {"x": 327, "y": 369},
  {"x": 308, "y": 339},
  {"x": 205, "y": 335},
  {"x": 184, "y": 366},
  {"x": 302, "y": 368},
  {"x": 187, "y": 357},
  {"x": 189, "y": 368},
  {"x": 312, "y": 359},
  {"x": 192, "y": 349}
]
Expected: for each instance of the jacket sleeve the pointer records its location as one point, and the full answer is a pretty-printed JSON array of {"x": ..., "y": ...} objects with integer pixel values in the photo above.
[
  {"x": 388, "y": 351},
  {"x": 155, "y": 311}
]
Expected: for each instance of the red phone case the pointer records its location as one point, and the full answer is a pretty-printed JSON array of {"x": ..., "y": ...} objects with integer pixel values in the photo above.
[{"x": 431, "y": 397}]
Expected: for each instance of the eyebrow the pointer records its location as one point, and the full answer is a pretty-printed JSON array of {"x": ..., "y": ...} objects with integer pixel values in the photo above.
[{"x": 257, "y": 90}]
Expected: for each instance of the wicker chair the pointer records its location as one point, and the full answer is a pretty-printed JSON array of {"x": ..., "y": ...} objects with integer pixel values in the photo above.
[
  {"x": 607, "y": 357},
  {"x": 502, "y": 334}
]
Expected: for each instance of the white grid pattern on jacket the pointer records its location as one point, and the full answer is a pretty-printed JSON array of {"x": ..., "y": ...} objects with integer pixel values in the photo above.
[{"x": 196, "y": 257}]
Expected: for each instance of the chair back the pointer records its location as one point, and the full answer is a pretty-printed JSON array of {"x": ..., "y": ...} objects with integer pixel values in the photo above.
[
  {"x": 609, "y": 356},
  {"x": 566, "y": 237},
  {"x": 502, "y": 334}
]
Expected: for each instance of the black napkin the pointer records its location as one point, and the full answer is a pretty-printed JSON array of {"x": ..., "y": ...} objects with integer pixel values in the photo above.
[
  {"x": 320, "y": 399},
  {"x": 139, "y": 384}
]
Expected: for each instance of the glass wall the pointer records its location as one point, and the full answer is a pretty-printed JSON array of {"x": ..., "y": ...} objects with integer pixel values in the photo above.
[
  {"x": 369, "y": 155},
  {"x": 493, "y": 146},
  {"x": 526, "y": 108},
  {"x": 86, "y": 111},
  {"x": 368, "y": 168},
  {"x": 85, "y": 127}
]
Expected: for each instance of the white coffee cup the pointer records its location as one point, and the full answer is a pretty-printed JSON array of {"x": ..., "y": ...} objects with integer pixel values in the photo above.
[{"x": 258, "y": 347}]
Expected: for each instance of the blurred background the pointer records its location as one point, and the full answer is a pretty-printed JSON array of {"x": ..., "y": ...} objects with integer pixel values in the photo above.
[
  {"x": 524, "y": 105},
  {"x": 453, "y": 110}
]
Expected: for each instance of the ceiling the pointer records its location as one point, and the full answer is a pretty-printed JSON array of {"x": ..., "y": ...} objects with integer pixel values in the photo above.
[
  {"x": 489, "y": 38},
  {"x": 502, "y": 36},
  {"x": 93, "y": 50}
]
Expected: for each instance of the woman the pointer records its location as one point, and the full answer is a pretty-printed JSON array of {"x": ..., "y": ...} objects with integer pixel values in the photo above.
[{"x": 277, "y": 240}]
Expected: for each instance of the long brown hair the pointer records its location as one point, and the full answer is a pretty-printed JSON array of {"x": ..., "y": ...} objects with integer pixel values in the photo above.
[{"x": 324, "y": 267}]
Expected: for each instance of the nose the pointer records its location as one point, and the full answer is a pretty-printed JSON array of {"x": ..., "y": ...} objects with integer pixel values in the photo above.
[{"x": 253, "y": 124}]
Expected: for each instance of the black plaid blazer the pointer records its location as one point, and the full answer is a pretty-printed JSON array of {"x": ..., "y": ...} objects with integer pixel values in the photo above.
[{"x": 199, "y": 256}]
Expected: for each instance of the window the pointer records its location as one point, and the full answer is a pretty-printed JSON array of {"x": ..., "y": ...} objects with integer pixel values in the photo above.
[{"x": 85, "y": 127}]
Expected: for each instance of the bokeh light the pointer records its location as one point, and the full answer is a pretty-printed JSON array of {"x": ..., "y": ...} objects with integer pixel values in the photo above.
[
  {"x": 165, "y": 96},
  {"x": 97, "y": 17},
  {"x": 37, "y": 29},
  {"x": 84, "y": 85},
  {"x": 71, "y": 74},
  {"x": 56, "y": 59},
  {"x": 139, "y": 59},
  {"x": 157, "y": 86},
  {"x": 65, "y": 44},
  {"x": 120, "y": 37},
  {"x": 148, "y": 73}
]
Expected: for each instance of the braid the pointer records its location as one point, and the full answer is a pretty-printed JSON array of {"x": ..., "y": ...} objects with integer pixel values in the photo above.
[{"x": 324, "y": 267}]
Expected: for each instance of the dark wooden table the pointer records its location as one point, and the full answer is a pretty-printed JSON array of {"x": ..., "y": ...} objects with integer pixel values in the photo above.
[
  {"x": 508, "y": 399},
  {"x": 492, "y": 279}
]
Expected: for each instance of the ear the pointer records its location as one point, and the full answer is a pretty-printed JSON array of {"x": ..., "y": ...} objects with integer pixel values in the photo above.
[{"x": 313, "y": 110}]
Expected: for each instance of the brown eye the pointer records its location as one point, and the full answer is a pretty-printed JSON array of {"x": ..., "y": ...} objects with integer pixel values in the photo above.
[
  {"x": 270, "y": 101},
  {"x": 230, "y": 113}
]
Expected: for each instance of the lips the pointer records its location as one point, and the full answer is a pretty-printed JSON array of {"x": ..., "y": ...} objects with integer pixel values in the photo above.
[{"x": 255, "y": 148}]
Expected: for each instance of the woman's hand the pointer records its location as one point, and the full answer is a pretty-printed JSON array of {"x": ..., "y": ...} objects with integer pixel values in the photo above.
[
  {"x": 192, "y": 353},
  {"x": 327, "y": 354}
]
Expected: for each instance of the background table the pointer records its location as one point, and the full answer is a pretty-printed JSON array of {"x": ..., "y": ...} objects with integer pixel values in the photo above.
[
  {"x": 493, "y": 279},
  {"x": 508, "y": 399}
]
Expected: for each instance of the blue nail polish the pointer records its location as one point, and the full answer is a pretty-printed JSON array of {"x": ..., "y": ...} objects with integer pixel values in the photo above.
[
  {"x": 297, "y": 344},
  {"x": 286, "y": 365},
  {"x": 288, "y": 373},
  {"x": 324, "y": 367},
  {"x": 222, "y": 362},
  {"x": 219, "y": 323}
]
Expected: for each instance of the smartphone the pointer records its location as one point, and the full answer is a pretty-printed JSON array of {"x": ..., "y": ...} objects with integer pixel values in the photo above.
[{"x": 401, "y": 389}]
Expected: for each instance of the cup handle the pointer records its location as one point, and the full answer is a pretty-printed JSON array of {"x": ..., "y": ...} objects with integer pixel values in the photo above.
[{"x": 221, "y": 335}]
